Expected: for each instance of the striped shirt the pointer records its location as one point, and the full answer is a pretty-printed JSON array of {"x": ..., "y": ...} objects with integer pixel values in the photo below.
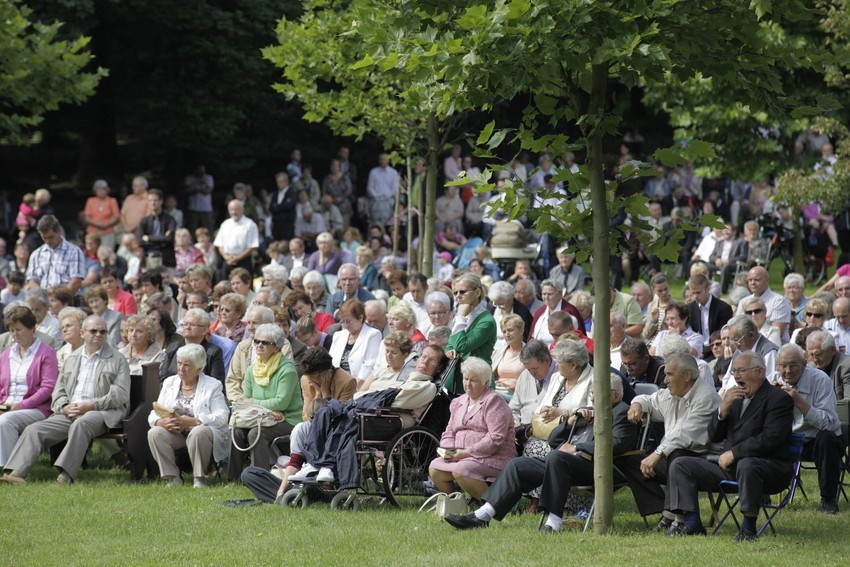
[
  {"x": 51, "y": 267},
  {"x": 87, "y": 380}
]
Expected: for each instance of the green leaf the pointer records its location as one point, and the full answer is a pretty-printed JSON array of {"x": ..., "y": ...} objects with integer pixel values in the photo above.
[
  {"x": 485, "y": 133},
  {"x": 669, "y": 157}
]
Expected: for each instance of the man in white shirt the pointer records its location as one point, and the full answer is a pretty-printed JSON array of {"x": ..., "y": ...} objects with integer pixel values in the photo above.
[
  {"x": 417, "y": 285},
  {"x": 685, "y": 408},
  {"x": 381, "y": 189},
  {"x": 237, "y": 238},
  {"x": 839, "y": 325},
  {"x": 778, "y": 308},
  {"x": 618, "y": 337}
]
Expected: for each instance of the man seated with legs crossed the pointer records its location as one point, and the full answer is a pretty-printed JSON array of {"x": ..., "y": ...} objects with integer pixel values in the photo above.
[
  {"x": 685, "y": 408},
  {"x": 816, "y": 417},
  {"x": 91, "y": 395},
  {"x": 754, "y": 422},
  {"x": 562, "y": 468}
]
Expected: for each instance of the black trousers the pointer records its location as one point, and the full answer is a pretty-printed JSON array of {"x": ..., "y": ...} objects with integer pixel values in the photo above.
[
  {"x": 261, "y": 482},
  {"x": 557, "y": 474},
  {"x": 756, "y": 477},
  {"x": 825, "y": 450},
  {"x": 650, "y": 497}
]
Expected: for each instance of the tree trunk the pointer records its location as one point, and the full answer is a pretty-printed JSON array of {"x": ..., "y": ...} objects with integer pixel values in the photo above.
[
  {"x": 603, "y": 457},
  {"x": 411, "y": 259},
  {"x": 426, "y": 240}
]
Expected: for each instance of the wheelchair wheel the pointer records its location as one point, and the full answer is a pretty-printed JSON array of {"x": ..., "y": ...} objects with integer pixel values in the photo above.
[
  {"x": 294, "y": 498},
  {"x": 406, "y": 462},
  {"x": 346, "y": 501}
]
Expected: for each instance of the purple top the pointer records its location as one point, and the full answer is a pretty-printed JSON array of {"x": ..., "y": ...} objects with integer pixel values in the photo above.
[
  {"x": 329, "y": 267},
  {"x": 486, "y": 430}
]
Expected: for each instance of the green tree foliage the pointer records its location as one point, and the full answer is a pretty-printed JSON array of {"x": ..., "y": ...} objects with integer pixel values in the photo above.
[
  {"x": 327, "y": 67},
  {"x": 38, "y": 72},
  {"x": 569, "y": 55}
]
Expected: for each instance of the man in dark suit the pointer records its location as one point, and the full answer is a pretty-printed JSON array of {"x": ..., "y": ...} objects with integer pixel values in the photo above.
[
  {"x": 640, "y": 366},
  {"x": 565, "y": 466},
  {"x": 754, "y": 422},
  {"x": 156, "y": 233},
  {"x": 821, "y": 349},
  {"x": 282, "y": 209},
  {"x": 706, "y": 314}
]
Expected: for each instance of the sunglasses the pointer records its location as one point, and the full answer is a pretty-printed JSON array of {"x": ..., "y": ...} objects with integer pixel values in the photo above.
[
  {"x": 97, "y": 331},
  {"x": 815, "y": 315},
  {"x": 754, "y": 311},
  {"x": 264, "y": 343},
  {"x": 717, "y": 343}
]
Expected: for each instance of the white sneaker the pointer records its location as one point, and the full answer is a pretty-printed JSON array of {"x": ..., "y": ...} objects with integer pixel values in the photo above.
[
  {"x": 199, "y": 482},
  {"x": 325, "y": 475},
  {"x": 306, "y": 470}
]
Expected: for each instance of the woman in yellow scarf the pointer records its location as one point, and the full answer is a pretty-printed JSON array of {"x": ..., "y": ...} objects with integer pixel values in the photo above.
[{"x": 272, "y": 383}]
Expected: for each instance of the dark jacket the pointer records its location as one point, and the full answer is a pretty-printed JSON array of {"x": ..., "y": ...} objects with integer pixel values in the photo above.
[
  {"x": 162, "y": 242},
  {"x": 762, "y": 431},
  {"x": 214, "y": 367},
  {"x": 518, "y": 309},
  {"x": 624, "y": 432},
  {"x": 654, "y": 373},
  {"x": 283, "y": 214}
]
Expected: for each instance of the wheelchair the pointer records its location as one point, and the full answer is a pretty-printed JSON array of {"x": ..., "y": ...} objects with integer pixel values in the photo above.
[{"x": 394, "y": 449}]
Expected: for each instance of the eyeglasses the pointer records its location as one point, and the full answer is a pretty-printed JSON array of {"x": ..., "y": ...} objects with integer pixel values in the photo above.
[
  {"x": 461, "y": 291},
  {"x": 193, "y": 325},
  {"x": 717, "y": 343},
  {"x": 815, "y": 315},
  {"x": 754, "y": 311},
  {"x": 258, "y": 342},
  {"x": 739, "y": 371},
  {"x": 97, "y": 331}
]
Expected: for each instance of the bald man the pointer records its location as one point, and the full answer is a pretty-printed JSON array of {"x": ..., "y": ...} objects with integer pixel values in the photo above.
[{"x": 778, "y": 308}]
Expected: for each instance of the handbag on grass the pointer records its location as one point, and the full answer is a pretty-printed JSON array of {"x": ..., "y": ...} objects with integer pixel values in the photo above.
[
  {"x": 445, "y": 504},
  {"x": 249, "y": 417}
]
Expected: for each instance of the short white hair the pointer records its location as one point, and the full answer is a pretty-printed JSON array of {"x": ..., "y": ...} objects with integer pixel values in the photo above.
[
  {"x": 276, "y": 272},
  {"x": 194, "y": 354},
  {"x": 476, "y": 368}
]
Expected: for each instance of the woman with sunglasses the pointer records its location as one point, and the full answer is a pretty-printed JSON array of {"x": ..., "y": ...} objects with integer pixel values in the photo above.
[
  {"x": 270, "y": 382},
  {"x": 816, "y": 313},
  {"x": 474, "y": 328},
  {"x": 757, "y": 311}
]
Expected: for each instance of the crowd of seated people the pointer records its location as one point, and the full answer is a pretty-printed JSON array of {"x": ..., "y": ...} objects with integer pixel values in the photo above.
[{"x": 331, "y": 319}]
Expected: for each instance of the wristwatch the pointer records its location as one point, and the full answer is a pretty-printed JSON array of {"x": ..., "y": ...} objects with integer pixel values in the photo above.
[{"x": 659, "y": 452}]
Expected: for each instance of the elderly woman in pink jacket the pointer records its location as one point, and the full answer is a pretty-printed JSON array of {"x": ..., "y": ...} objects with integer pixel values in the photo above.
[
  {"x": 28, "y": 372},
  {"x": 479, "y": 439}
]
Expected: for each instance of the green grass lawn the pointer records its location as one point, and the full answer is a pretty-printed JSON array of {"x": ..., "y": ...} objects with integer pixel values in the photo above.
[{"x": 106, "y": 520}]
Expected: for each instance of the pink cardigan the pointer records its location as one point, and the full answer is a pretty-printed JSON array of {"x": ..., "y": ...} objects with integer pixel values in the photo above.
[
  {"x": 124, "y": 303},
  {"x": 486, "y": 431},
  {"x": 41, "y": 378}
]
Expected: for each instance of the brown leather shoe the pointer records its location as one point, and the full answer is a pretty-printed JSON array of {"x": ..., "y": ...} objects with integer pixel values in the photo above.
[{"x": 12, "y": 478}]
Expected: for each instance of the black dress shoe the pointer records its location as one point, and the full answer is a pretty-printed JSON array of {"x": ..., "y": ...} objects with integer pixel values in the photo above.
[
  {"x": 828, "y": 507},
  {"x": 676, "y": 529},
  {"x": 466, "y": 521},
  {"x": 745, "y": 535},
  {"x": 664, "y": 524},
  {"x": 547, "y": 529}
]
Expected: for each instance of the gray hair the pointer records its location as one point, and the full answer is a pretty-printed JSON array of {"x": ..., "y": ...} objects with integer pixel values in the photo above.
[
  {"x": 325, "y": 237},
  {"x": 39, "y": 296},
  {"x": 685, "y": 361},
  {"x": 389, "y": 261},
  {"x": 265, "y": 313},
  {"x": 474, "y": 367},
  {"x": 525, "y": 282},
  {"x": 160, "y": 299},
  {"x": 100, "y": 184},
  {"x": 552, "y": 284},
  {"x": 439, "y": 335},
  {"x": 826, "y": 341},
  {"x": 755, "y": 359},
  {"x": 794, "y": 278},
  {"x": 298, "y": 273},
  {"x": 799, "y": 353},
  {"x": 535, "y": 350},
  {"x": 438, "y": 297},
  {"x": 569, "y": 351},
  {"x": 276, "y": 272},
  {"x": 616, "y": 383},
  {"x": 198, "y": 315},
  {"x": 194, "y": 354},
  {"x": 270, "y": 332},
  {"x": 376, "y": 303},
  {"x": 313, "y": 276},
  {"x": 274, "y": 295},
  {"x": 742, "y": 325},
  {"x": 618, "y": 318},
  {"x": 673, "y": 344},
  {"x": 348, "y": 266},
  {"x": 501, "y": 291}
]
